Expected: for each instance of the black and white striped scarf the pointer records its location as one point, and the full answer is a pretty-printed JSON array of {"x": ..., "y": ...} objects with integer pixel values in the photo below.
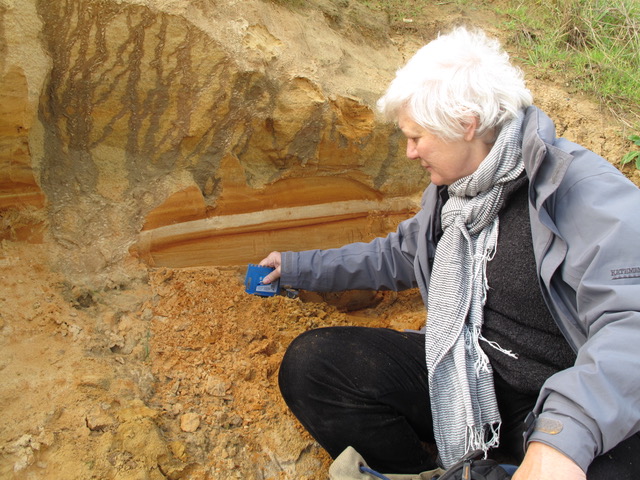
[{"x": 464, "y": 407}]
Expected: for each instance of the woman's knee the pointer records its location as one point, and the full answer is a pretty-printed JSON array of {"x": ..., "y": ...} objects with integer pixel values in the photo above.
[{"x": 304, "y": 356}]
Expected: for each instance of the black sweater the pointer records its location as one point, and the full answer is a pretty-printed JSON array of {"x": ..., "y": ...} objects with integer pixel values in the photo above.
[{"x": 515, "y": 315}]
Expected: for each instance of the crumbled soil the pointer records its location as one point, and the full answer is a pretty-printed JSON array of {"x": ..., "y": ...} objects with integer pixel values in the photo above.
[
  {"x": 215, "y": 353},
  {"x": 171, "y": 376}
]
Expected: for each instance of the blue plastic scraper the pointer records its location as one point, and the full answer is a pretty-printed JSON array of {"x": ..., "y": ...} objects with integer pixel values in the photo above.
[{"x": 253, "y": 281}]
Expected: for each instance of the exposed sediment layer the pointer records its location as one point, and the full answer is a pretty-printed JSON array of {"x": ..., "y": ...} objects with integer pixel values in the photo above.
[
  {"x": 247, "y": 237},
  {"x": 233, "y": 107}
]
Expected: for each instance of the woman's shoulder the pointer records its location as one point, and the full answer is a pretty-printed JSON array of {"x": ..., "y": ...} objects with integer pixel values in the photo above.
[{"x": 589, "y": 170}]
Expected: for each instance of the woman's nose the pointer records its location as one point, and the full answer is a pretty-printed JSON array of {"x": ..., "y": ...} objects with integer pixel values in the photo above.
[{"x": 412, "y": 151}]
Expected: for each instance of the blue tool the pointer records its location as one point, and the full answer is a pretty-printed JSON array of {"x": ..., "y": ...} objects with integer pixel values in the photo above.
[{"x": 253, "y": 281}]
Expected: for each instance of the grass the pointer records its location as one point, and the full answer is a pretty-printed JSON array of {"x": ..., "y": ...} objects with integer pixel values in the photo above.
[{"x": 595, "y": 44}]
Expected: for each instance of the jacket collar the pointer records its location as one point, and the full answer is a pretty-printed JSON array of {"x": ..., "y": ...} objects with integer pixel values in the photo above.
[{"x": 544, "y": 163}]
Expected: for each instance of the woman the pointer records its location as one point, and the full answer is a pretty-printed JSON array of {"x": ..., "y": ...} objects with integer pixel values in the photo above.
[{"x": 525, "y": 253}]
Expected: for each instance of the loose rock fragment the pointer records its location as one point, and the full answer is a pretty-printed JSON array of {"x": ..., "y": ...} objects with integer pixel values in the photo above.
[{"x": 189, "y": 422}]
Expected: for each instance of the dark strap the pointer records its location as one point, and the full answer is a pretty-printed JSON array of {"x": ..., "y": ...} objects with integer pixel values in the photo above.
[{"x": 473, "y": 466}]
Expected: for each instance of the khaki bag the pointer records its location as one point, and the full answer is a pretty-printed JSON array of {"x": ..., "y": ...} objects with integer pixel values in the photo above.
[{"x": 347, "y": 467}]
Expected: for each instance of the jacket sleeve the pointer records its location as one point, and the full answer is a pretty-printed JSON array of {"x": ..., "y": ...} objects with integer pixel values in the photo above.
[
  {"x": 386, "y": 263},
  {"x": 588, "y": 409}
]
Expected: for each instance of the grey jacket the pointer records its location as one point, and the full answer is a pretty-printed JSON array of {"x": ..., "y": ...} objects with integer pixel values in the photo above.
[{"x": 585, "y": 225}]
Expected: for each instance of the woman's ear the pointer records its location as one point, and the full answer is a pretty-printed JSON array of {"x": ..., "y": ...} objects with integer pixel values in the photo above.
[{"x": 470, "y": 128}]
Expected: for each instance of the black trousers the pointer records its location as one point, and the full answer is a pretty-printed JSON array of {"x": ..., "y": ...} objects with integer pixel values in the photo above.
[{"x": 367, "y": 388}]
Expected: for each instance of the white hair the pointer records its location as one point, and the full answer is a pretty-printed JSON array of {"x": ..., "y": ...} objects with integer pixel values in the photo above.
[{"x": 457, "y": 76}]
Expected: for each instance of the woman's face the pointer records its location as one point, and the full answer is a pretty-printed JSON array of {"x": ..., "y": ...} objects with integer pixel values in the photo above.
[{"x": 446, "y": 161}]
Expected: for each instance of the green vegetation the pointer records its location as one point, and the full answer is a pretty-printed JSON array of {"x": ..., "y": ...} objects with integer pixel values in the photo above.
[
  {"x": 592, "y": 45},
  {"x": 596, "y": 43},
  {"x": 633, "y": 155}
]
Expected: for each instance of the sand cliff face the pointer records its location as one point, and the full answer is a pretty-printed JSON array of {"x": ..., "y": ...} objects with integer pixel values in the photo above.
[
  {"x": 130, "y": 116},
  {"x": 210, "y": 132}
]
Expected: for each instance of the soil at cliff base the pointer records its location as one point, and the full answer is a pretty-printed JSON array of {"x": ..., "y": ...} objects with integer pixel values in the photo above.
[{"x": 173, "y": 375}]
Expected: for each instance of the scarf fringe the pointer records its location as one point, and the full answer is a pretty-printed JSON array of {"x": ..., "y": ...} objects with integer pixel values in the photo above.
[
  {"x": 497, "y": 347},
  {"x": 483, "y": 438}
]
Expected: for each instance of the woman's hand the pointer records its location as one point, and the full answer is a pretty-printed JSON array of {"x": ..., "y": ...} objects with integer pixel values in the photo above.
[
  {"x": 543, "y": 462},
  {"x": 274, "y": 259}
]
